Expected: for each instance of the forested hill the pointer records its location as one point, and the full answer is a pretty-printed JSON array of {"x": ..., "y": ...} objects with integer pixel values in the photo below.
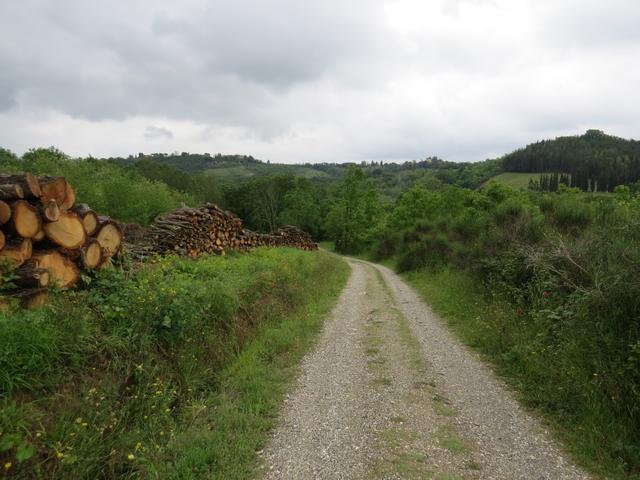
[{"x": 593, "y": 160}]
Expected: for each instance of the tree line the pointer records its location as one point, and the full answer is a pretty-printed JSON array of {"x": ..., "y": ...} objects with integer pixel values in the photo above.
[{"x": 593, "y": 161}]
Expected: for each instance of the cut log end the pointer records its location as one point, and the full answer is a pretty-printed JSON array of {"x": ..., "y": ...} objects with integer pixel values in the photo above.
[
  {"x": 92, "y": 255},
  {"x": 51, "y": 211},
  {"x": 89, "y": 218},
  {"x": 68, "y": 232},
  {"x": 26, "y": 219},
  {"x": 17, "y": 251},
  {"x": 39, "y": 236},
  {"x": 5, "y": 212},
  {"x": 53, "y": 189},
  {"x": 90, "y": 221},
  {"x": 110, "y": 237},
  {"x": 69, "y": 198},
  {"x": 32, "y": 183},
  {"x": 62, "y": 271}
]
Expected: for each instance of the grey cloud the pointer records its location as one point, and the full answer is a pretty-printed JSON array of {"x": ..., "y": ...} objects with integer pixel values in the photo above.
[
  {"x": 152, "y": 132},
  {"x": 219, "y": 60},
  {"x": 591, "y": 23},
  {"x": 331, "y": 79}
]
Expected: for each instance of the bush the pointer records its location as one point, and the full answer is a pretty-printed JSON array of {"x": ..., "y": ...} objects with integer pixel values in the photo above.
[{"x": 571, "y": 214}]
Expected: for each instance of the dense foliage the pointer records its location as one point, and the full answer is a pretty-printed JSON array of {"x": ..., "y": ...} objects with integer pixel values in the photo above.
[
  {"x": 110, "y": 189},
  {"x": 594, "y": 161},
  {"x": 132, "y": 377},
  {"x": 567, "y": 264}
]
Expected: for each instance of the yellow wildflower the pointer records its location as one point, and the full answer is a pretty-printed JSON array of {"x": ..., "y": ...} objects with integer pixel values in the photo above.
[
  {"x": 7, "y": 466},
  {"x": 131, "y": 456}
]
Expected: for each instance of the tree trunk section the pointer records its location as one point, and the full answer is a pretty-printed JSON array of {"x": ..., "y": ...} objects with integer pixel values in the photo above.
[
  {"x": 31, "y": 276},
  {"x": 17, "y": 251},
  {"x": 109, "y": 236},
  {"x": 92, "y": 254},
  {"x": 10, "y": 192},
  {"x": 26, "y": 219},
  {"x": 89, "y": 218},
  {"x": 53, "y": 188},
  {"x": 68, "y": 232},
  {"x": 27, "y": 181},
  {"x": 62, "y": 271},
  {"x": 5, "y": 212},
  {"x": 50, "y": 211}
]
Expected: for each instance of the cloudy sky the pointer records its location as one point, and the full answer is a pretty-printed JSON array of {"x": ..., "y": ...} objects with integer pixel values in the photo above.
[{"x": 315, "y": 80}]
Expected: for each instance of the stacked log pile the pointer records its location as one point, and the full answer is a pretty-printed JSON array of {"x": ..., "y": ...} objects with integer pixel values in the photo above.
[
  {"x": 209, "y": 229},
  {"x": 47, "y": 239}
]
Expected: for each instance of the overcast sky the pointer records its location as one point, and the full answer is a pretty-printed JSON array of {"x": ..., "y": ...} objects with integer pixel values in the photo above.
[{"x": 315, "y": 80}]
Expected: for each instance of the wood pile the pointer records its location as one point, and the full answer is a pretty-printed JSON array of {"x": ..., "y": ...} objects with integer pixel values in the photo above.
[
  {"x": 47, "y": 239},
  {"x": 209, "y": 229}
]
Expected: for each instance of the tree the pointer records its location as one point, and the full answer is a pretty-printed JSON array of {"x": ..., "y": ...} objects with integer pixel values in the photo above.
[
  {"x": 352, "y": 218},
  {"x": 302, "y": 208}
]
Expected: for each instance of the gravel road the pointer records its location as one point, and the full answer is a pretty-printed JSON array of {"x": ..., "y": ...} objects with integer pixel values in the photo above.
[{"x": 389, "y": 393}]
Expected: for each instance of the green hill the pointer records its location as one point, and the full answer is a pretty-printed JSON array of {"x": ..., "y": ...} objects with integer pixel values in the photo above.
[{"x": 594, "y": 161}]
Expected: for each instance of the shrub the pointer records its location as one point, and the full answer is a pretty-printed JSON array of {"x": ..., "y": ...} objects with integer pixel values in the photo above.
[{"x": 570, "y": 214}]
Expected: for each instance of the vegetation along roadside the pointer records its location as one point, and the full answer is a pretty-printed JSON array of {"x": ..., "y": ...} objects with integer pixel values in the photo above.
[{"x": 173, "y": 371}]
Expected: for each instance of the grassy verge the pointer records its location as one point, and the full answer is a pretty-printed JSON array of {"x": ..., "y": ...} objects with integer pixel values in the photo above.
[
  {"x": 175, "y": 371},
  {"x": 553, "y": 382}
]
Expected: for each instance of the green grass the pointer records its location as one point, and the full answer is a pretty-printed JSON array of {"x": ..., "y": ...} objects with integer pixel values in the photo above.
[
  {"x": 450, "y": 440},
  {"x": 515, "y": 180},
  {"x": 174, "y": 371},
  {"x": 509, "y": 341}
]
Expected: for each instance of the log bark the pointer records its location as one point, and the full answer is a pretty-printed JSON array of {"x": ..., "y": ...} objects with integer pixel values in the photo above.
[
  {"x": 26, "y": 219},
  {"x": 88, "y": 216},
  {"x": 69, "y": 197},
  {"x": 29, "y": 275},
  {"x": 27, "y": 181},
  {"x": 10, "y": 192},
  {"x": 68, "y": 232}
]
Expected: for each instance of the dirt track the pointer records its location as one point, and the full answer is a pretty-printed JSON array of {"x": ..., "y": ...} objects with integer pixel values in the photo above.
[{"x": 388, "y": 392}]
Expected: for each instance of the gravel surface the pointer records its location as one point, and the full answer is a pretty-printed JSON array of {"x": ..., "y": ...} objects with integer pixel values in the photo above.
[{"x": 389, "y": 393}]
